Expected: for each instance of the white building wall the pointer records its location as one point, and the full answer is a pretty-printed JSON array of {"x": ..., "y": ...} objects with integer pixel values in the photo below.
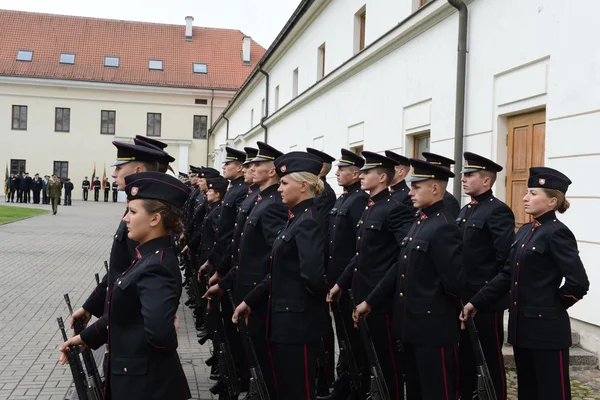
[{"x": 522, "y": 56}]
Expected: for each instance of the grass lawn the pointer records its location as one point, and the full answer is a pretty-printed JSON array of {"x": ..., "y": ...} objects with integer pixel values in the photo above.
[{"x": 8, "y": 213}]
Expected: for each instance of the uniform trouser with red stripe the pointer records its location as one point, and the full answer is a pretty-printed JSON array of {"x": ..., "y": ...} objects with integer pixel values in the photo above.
[
  {"x": 543, "y": 374},
  {"x": 258, "y": 333},
  {"x": 295, "y": 370},
  {"x": 387, "y": 353},
  {"x": 490, "y": 327},
  {"x": 431, "y": 372}
]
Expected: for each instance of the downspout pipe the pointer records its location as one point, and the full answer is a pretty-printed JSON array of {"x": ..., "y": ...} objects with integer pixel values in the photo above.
[
  {"x": 262, "y": 120},
  {"x": 226, "y": 128},
  {"x": 212, "y": 100},
  {"x": 461, "y": 72}
]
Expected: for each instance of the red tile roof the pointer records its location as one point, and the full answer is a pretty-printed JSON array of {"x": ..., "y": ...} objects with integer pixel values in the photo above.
[{"x": 91, "y": 39}]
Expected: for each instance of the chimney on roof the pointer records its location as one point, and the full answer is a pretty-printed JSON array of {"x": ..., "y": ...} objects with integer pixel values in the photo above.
[
  {"x": 246, "y": 41},
  {"x": 188, "y": 27}
]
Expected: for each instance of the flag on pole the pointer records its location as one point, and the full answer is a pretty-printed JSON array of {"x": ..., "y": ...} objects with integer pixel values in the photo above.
[
  {"x": 104, "y": 178},
  {"x": 93, "y": 178},
  {"x": 6, "y": 178}
]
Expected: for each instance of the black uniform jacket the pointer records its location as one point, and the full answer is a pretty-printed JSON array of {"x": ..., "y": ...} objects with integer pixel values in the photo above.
[
  {"x": 325, "y": 202},
  {"x": 488, "y": 229},
  {"x": 197, "y": 217},
  {"x": 543, "y": 253},
  {"x": 343, "y": 230},
  {"x": 426, "y": 281},
  {"x": 400, "y": 191},
  {"x": 142, "y": 340},
  {"x": 122, "y": 254},
  {"x": 115, "y": 187},
  {"x": 85, "y": 184},
  {"x": 188, "y": 211},
  {"x": 382, "y": 227},
  {"x": 296, "y": 287},
  {"x": 253, "y": 256},
  {"x": 451, "y": 204},
  {"x": 210, "y": 229},
  {"x": 97, "y": 185},
  {"x": 230, "y": 257},
  {"x": 232, "y": 201}
]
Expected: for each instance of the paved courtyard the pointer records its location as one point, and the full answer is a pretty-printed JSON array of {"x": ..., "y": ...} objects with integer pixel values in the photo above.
[{"x": 42, "y": 258}]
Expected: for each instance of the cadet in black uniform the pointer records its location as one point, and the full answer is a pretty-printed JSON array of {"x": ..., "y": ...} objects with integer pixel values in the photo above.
[
  {"x": 253, "y": 261},
  {"x": 97, "y": 187},
  {"x": 543, "y": 255},
  {"x": 199, "y": 210},
  {"x": 68, "y": 192},
  {"x": 131, "y": 159},
  {"x": 487, "y": 226},
  {"x": 343, "y": 230},
  {"x": 85, "y": 186},
  {"x": 426, "y": 283},
  {"x": 399, "y": 189},
  {"x": 295, "y": 289},
  {"x": 381, "y": 228},
  {"x": 115, "y": 191},
  {"x": 233, "y": 170},
  {"x": 142, "y": 307},
  {"x": 325, "y": 200},
  {"x": 450, "y": 202},
  {"x": 106, "y": 185},
  {"x": 217, "y": 187}
]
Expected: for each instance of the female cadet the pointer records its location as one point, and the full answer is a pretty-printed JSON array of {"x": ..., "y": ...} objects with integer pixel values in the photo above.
[
  {"x": 544, "y": 253},
  {"x": 296, "y": 288},
  {"x": 142, "y": 339}
]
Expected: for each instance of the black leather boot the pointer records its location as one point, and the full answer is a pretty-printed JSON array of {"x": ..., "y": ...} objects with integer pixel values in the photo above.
[{"x": 341, "y": 389}]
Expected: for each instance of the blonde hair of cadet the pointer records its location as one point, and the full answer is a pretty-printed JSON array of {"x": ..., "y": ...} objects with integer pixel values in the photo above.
[{"x": 315, "y": 184}]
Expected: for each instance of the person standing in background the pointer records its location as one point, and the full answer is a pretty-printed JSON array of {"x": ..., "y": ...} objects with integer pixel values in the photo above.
[
  {"x": 85, "y": 186},
  {"x": 115, "y": 191},
  {"x": 18, "y": 186},
  {"x": 97, "y": 185},
  {"x": 106, "y": 186},
  {"x": 68, "y": 190},
  {"x": 26, "y": 185},
  {"x": 45, "y": 198}
]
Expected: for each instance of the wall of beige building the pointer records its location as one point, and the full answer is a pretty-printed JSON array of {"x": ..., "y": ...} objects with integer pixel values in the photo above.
[{"x": 84, "y": 146}]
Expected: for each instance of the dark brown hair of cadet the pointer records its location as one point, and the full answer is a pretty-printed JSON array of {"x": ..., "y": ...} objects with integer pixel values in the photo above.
[
  {"x": 562, "y": 204},
  {"x": 389, "y": 173},
  {"x": 171, "y": 215}
]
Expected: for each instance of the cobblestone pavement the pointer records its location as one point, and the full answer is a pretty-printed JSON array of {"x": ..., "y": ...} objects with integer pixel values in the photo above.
[{"x": 42, "y": 258}]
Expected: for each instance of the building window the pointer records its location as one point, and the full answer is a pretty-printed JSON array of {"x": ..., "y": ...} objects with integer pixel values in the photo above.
[
  {"x": 421, "y": 144},
  {"x": 19, "y": 118},
  {"x": 200, "y": 68},
  {"x": 295, "y": 84},
  {"x": 17, "y": 166},
  {"x": 252, "y": 118},
  {"x": 153, "y": 125},
  {"x": 360, "y": 26},
  {"x": 61, "y": 169},
  {"x": 321, "y": 62},
  {"x": 62, "y": 120},
  {"x": 67, "y": 58},
  {"x": 200, "y": 125},
  {"x": 201, "y": 101},
  {"x": 24, "y": 55},
  {"x": 423, "y": 2},
  {"x": 107, "y": 122},
  {"x": 155, "y": 65},
  {"x": 111, "y": 62},
  {"x": 263, "y": 110},
  {"x": 276, "y": 97}
]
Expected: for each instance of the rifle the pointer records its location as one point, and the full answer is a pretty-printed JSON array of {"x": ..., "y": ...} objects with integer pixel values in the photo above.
[
  {"x": 229, "y": 386},
  {"x": 377, "y": 389},
  {"x": 106, "y": 266},
  {"x": 346, "y": 352},
  {"x": 257, "y": 387},
  {"x": 485, "y": 386},
  {"x": 95, "y": 386},
  {"x": 75, "y": 364},
  {"x": 97, "y": 279}
]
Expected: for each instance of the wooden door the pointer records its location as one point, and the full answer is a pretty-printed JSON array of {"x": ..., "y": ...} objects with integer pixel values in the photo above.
[{"x": 526, "y": 148}]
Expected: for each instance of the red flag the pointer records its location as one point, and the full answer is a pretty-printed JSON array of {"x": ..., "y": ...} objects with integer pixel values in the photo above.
[{"x": 93, "y": 178}]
